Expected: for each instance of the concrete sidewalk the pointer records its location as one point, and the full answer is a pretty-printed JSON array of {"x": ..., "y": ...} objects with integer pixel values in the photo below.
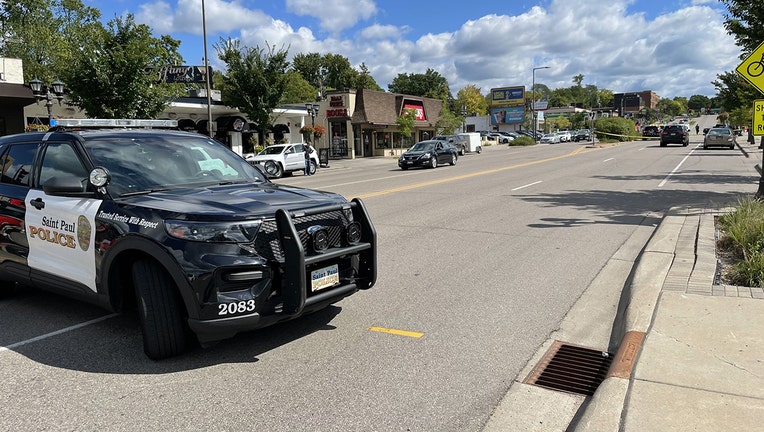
[{"x": 701, "y": 364}]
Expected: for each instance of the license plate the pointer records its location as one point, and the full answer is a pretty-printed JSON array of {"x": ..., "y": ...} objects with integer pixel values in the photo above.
[
  {"x": 410, "y": 162},
  {"x": 324, "y": 278}
]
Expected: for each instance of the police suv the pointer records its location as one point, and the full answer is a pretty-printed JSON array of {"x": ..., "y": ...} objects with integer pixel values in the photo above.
[{"x": 129, "y": 216}]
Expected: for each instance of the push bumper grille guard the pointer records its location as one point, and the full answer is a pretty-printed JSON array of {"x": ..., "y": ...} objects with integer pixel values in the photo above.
[{"x": 294, "y": 288}]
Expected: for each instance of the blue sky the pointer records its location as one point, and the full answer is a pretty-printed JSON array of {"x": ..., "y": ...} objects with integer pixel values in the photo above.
[{"x": 673, "y": 47}]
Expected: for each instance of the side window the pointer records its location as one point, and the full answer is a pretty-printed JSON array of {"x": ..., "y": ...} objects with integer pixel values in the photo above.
[
  {"x": 17, "y": 164},
  {"x": 61, "y": 160}
]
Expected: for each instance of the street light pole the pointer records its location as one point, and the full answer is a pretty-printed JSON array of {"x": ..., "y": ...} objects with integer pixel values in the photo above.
[
  {"x": 54, "y": 91},
  {"x": 533, "y": 100},
  {"x": 464, "y": 118}
]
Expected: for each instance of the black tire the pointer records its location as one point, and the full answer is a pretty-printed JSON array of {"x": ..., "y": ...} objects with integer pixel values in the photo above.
[
  {"x": 685, "y": 144},
  {"x": 453, "y": 160},
  {"x": 160, "y": 311},
  {"x": 313, "y": 167},
  {"x": 663, "y": 144},
  {"x": 732, "y": 147},
  {"x": 479, "y": 149},
  {"x": 705, "y": 147},
  {"x": 434, "y": 162},
  {"x": 274, "y": 169},
  {"x": 404, "y": 168}
]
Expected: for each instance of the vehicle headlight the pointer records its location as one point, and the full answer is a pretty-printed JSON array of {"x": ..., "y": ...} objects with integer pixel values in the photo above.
[
  {"x": 426, "y": 155},
  {"x": 218, "y": 232}
]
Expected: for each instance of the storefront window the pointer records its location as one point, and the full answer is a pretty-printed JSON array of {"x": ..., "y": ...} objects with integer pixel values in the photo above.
[
  {"x": 338, "y": 145},
  {"x": 383, "y": 140}
]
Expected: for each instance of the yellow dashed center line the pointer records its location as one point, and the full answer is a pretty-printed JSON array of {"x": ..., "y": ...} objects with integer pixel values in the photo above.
[
  {"x": 410, "y": 334},
  {"x": 466, "y": 176}
]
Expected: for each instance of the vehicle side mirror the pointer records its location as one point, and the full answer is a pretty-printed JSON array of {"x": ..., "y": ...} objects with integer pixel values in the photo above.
[{"x": 66, "y": 186}]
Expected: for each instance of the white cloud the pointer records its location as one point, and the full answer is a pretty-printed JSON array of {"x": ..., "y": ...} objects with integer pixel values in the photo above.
[
  {"x": 334, "y": 15},
  {"x": 675, "y": 54}
]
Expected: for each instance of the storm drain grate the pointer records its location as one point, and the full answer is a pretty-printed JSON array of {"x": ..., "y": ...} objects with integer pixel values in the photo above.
[{"x": 571, "y": 369}]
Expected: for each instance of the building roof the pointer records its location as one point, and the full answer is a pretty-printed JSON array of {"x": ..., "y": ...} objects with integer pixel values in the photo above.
[{"x": 382, "y": 108}]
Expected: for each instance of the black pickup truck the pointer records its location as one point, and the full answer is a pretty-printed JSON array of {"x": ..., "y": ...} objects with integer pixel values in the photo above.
[{"x": 176, "y": 226}]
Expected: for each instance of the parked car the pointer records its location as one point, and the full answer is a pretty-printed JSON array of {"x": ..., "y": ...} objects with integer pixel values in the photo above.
[
  {"x": 651, "y": 132},
  {"x": 128, "y": 218},
  {"x": 501, "y": 139},
  {"x": 508, "y": 135},
  {"x": 284, "y": 159},
  {"x": 675, "y": 134},
  {"x": 582, "y": 135},
  {"x": 565, "y": 135},
  {"x": 430, "y": 153},
  {"x": 550, "y": 138},
  {"x": 461, "y": 142},
  {"x": 719, "y": 137}
]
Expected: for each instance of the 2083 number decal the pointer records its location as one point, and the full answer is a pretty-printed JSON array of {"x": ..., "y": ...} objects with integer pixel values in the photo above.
[{"x": 237, "y": 307}]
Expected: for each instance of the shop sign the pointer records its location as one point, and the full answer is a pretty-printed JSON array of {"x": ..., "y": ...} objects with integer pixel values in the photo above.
[
  {"x": 342, "y": 112},
  {"x": 337, "y": 101}
]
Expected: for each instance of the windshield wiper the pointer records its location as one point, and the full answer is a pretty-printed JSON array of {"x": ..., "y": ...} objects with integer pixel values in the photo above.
[{"x": 142, "y": 192}]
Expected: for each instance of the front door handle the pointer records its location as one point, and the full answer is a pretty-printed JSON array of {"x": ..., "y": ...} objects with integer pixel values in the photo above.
[{"x": 38, "y": 203}]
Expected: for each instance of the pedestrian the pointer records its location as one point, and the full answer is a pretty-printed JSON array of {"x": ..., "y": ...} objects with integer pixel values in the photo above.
[
  {"x": 697, "y": 129},
  {"x": 308, "y": 150}
]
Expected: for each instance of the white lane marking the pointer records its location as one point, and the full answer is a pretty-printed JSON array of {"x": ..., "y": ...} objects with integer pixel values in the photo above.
[
  {"x": 525, "y": 186},
  {"x": 55, "y": 333},
  {"x": 608, "y": 160},
  {"x": 676, "y": 168}
]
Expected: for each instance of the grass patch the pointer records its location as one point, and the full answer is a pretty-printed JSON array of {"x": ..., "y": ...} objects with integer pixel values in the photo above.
[{"x": 742, "y": 236}]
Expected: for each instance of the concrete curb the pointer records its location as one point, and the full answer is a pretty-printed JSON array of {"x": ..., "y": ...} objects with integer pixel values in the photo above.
[{"x": 604, "y": 410}]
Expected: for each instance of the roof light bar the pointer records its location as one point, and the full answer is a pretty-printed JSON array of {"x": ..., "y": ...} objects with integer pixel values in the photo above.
[{"x": 114, "y": 123}]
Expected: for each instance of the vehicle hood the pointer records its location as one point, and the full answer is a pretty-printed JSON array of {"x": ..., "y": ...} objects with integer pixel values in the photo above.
[
  {"x": 232, "y": 202},
  {"x": 415, "y": 153},
  {"x": 267, "y": 157}
]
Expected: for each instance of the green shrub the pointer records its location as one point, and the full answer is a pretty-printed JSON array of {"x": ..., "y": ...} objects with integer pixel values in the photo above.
[
  {"x": 742, "y": 234},
  {"x": 522, "y": 141},
  {"x": 615, "y": 128}
]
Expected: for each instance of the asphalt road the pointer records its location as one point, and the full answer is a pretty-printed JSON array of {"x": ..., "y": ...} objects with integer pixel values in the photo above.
[{"x": 479, "y": 263}]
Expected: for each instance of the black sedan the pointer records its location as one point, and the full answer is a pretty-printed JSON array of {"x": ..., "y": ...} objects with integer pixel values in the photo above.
[{"x": 429, "y": 153}]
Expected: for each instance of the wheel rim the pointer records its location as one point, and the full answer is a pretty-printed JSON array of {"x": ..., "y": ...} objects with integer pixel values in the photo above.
[{"x": 434, "y": 162}]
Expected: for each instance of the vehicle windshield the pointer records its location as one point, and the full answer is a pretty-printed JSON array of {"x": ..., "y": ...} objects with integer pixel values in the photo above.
[
  {"x": 140, "y": 162},
  {"x": 423, "y": 146},
  {"x": 272, "y": 150},
  {"x": 720, "y": 131}
]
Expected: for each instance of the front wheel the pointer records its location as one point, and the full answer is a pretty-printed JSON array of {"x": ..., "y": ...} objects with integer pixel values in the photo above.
[
  {"x": 453, "y": 160},
  {"x": 312, "y": 168},
  {"x": 433, "y": 162},
  {"x": 159, "y": 309},
  {"x": 274, "y": 169}
]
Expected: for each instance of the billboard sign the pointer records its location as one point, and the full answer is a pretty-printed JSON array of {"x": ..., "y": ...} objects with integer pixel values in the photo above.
[
  {"x": 508, "y": 96},
  {"x": 506, "y": 115}
]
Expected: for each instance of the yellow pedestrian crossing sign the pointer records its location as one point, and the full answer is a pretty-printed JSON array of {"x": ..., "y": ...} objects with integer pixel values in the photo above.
[
  {"x": 758, "y": 117},
  {"x": 752, "y": 68}
]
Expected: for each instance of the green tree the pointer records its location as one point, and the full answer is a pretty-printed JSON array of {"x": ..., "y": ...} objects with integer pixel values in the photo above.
[
  {"x": 472, "y": 99},
  {"x": 745, "y": 21},
  {"x": 45, "y": 34},
  {"x": 255, "y": 79},
  {"x": 405, "y": 124},
  {"x": 448, "y": 123},
  {"x": 669, "y": 107},
  {"x": 364, "y": 80},
  {"x": 429, "y": 84},
  {"x": 698, "y": 102},
  {"x": 311, "y": 68},
  {"x": 297, "y": 89},
  {"x": 107, "y": 76}
]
